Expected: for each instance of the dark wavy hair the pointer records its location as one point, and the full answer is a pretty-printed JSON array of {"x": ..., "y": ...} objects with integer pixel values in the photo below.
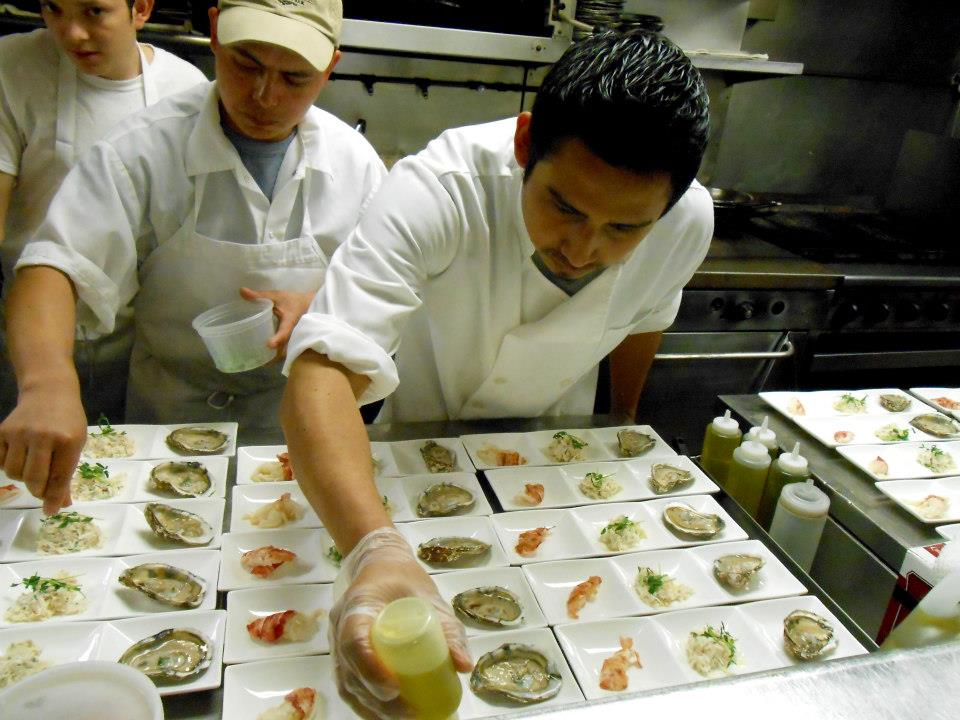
[{"x": 634, "y": 99}]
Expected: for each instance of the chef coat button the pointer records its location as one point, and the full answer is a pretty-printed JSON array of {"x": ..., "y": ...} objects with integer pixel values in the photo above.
[
  {"x": 566, "y": 382},
  {"x": 500, "y": 380}
]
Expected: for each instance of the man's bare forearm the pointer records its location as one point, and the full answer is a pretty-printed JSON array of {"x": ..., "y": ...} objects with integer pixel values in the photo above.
[
  {"x": 41, "y": 317},
  {"x": 329, "y": 448},
  {"x": 630, "y": 363}
]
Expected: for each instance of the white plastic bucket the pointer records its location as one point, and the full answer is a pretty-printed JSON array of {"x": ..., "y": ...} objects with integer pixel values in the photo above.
[{"x": 236, "y": 334}]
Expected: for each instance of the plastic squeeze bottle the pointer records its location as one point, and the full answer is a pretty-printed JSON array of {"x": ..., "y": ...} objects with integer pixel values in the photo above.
[
  {"x": 798, "y": 521},
  {"x": 408, "y": 638},
  {"x": 788, "y": 468},
  {"x": 719, "y": 440},
  {"x": 937, "y": 618},
  {"x": 748, "y": 473},
  {"x": 765, "y": 436}
]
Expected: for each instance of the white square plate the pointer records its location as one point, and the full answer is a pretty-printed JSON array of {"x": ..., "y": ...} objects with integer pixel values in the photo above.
[
  {"x": 19, "y": 530},
  {"x": 244, "y": 606},
  {"x": 909, "y": 493},
  {"x": 901, "y": 459},
  {"x": 476, "y": 527},
  {"x": 251, "y": 457},
  {"x": 91, "y": 574},
  {"x": 249, "y": 498},
  {"x": 561, "y": 484},
  {"x": 512, "y": 578},
  {"x": 119, "y": 635},
  {"x": 820, "y": 403},
  {"x": 59, "y": 643},
  {"x": 310, "y": 566},
  {"x": 409, "y": 460},
  {"x": 564, "y": 540},
  {"x": 150, "y": 441},
  {"x": 943, "y": 399}
]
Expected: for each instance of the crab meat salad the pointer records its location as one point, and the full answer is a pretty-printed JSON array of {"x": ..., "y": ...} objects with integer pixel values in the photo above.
[
  {"x": 21, "y": 660},
  {"x": 45, "y": 598},
  {"x": 622, "y": 533},
  {"x": 94, "y": 481},
  {"x": 566, "y": 447},
  {"x": 935, "y": 459},
  {"x": 597, "y": 486},
  {"x": 659, "y": 589},
  {"x": 712, "y": 651},
  {"x": 68, "y": 532},
  {"x": 108, "y": 442}
]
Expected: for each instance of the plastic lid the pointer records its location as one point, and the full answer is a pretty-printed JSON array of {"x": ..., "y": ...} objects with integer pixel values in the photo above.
[
  {"x": 793, "y": 463},
  {"x": 726, "y": 425},
  {"x": 753, "y": 453},
  {"x": 805, "y": 499},
  {"x": 762, "y": 434}
]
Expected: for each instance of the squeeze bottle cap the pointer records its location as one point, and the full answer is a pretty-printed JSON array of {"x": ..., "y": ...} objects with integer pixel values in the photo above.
[
  {"x": 793, "y": 462},
  {"x": 725, "y": 425},
  {"x": 762, "y": 434},
  {"x": 753, "y": 453},
  {"x": 805, "y": 499}
]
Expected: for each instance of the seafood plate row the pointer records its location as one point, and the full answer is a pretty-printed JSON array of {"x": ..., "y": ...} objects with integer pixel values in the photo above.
[
  {"x": 133, "y": 481},
  {"x": 707, "y": 643},
  {"x": 182, "y": 652},
  {"x": 111, "y": 529},
  {"x": 148, "y": 442},
  {"x": 841, "y": 403},
  {"x": 98, "y": 588},
  {"x": 552, "y": 447},
  {"x": 600, "y": 482},
  {"x": 905, "y": 461},
  {"x": 930, "y": 501},
  {"x": 259, "y": 505},
  {"x": 893, "y": 429},
  {"x": 944, "y": 399}
]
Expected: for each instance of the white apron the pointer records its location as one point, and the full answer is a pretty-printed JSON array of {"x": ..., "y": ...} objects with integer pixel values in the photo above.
[{"x": 172, "y": 377}]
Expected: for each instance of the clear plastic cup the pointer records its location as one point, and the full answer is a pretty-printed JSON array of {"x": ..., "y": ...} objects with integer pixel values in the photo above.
[{"x": 236, "y": 334}]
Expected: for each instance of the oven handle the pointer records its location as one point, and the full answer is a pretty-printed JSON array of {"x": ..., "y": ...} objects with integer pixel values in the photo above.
[
  {"x": 787, "y": 351},
  {"x": 892, "y": 360}
]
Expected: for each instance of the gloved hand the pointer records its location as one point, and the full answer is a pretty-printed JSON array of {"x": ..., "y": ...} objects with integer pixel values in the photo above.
[{"x": 381, "y": 569}]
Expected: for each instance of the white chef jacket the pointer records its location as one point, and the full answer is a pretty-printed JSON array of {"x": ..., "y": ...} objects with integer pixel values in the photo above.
[
  {"x": 439, "y": 271},
  {"x": 136, "y": 188}
]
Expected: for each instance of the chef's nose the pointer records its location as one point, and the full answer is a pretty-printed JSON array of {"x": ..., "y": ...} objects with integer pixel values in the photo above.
[
  {"x": 265, "y": 89},
  {"x": 581, "y": 246},
  {"x": 75, "y": 32}
]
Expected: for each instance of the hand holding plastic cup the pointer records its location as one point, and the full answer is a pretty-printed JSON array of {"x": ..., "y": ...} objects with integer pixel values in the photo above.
[{"x": 236, "y": 334}]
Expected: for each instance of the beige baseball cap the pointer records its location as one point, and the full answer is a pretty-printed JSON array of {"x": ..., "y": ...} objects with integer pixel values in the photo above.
[{"x": 310, "y": 28}]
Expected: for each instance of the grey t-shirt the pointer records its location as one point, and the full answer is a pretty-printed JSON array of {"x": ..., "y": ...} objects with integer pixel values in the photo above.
[
  {"x": 570, "y": 287},
  {"x": 261, "y": 158}
]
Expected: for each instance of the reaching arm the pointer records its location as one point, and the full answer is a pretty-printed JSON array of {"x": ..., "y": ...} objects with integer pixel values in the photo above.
[
  {"x": 7, "y": 182},
  {"x": 40, "y": 441},
  {"x": 630, "y": 362}
]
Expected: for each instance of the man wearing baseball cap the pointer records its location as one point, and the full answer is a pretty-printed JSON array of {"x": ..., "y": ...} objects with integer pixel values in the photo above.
[{"x": 237, "y": 186}]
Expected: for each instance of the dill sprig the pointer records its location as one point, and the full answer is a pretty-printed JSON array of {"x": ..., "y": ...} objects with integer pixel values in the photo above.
[
  {"x": 619, "y": 525},
  {"x": 68, "y": 517},
  {"x": 723, "y": 637},
  {"x": 39, "y": 585},
  {"x": 575, "y": 442},
  {"x": 93, "y": 472},
  {"x": 596, "y": 479},
  {"x": 653, "y": 581},
  {"x": 334, "y": 555}
]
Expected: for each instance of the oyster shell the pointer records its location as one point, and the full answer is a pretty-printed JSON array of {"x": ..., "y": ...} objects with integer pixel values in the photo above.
[
  {"x": 736, "y": 571},
  {"x": 189, "y": 479},
  {"x": 490, "y": 606},
  {"x": 197, "y": 441},
  {"x": 895, "y": 403},
  {"x": 444, "y": 499},
  {"x": 664, "y": 478},
  {"x": 937, "y": 425},
  {"x": 165, "y": 583},
  {"x": 176, "y": 524},
  {"x": 687, "y": 521},
  {"x": 172, "y": 655},
  {"x": 446, "y": 550},
  {"x": 516, "y": 672},
  {"x": 438, "y": 458},
  {"x": 807, "y": 636},
  {"x": 632, "y": 443}
]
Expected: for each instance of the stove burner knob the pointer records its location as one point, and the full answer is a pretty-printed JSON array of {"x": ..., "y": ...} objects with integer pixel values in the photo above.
[
  {"x": 876, "y": 313},
  {"x": 908, "y": 311},
  {"x": 744, "y": 311},
  {"x": 846, "y": 313},
  {"x": 937, "y": 311}
]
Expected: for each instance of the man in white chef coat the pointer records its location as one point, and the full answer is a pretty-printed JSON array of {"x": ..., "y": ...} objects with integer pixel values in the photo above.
[
  {"x": 61, "y": 89},
  {"x": 500, "y": 265},
  {"x": 239, "y": 183}
]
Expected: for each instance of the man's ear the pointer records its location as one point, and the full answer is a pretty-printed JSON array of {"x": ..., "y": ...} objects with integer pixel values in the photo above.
[
  {"x": 213, "y": 13},
  {"x": 521, "y": 139},
  {"x": 141, "y": 11}
]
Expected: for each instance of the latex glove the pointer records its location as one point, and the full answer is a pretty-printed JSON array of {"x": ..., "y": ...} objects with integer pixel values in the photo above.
[
  {"x": 40, "y": 443},
  {"x": 380, "y": 569},
  {"x": 288, "y": 307}
]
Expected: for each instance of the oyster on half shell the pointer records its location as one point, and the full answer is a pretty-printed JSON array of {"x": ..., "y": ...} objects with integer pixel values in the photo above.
[
  {"x": 516, "y": 672},
  {"x": 685, "y": 520},
  {"x": 172, "y": 655},
  {"x": 176, "y": 524},
  {"x": 665, "y": 478},
  {"x": 895, "y": 403},
  {"x": 165, "y": 583},
  {"x": 446, "y": 550},
  {"x": 197, "y": 441},
  {"x": 937, "y": 425},
  {"x": 490, "y": 606},
  {"x": 438, "y": 458},
  {"x": 807, "y": 636},
  {"x": 189, "y": 479},
  {"x": 631, "y": 443},
  {"x": 444, "y": 499},
  {"x": 736, "y": 571}
]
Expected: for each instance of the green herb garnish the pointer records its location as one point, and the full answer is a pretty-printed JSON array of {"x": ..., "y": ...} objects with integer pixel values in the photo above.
[
  {"x": 654, "y": 581},
  {"x": 721, "y": 636},
  {"x": 596, "y": 479},
  {"x": 619, "y": 525},
  {"x": 575, "y": 442},
  {"x": 41, "y": 585},
  {"x": 334, "y": 555},
  {"x": 62, "y": 519},
  {"x": 898, "y": 434},
  {"x": 850, "y": 399},
  {"x": 93, "y": 472}
]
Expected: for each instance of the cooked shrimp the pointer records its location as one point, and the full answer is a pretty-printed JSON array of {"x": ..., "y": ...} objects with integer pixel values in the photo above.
[
  {"x": 842, "y": 437},
  {"x": 8, "y": 493},
  {"x": 298, "y": 704},
  {"x": 795, "y": 407},
  {"x": 533, "y": 493},
  {"x": 613, "y": 674},
  {"x": 262, "y": 561},
  {"x": 530, "y": 540},
  {"x": 284, "y": 460},
  {"x": 947, "y": 403},
  {"x": 281, "y": 511},
  {"x": 878, "y": 466},
  {"x": 587, "y": 590},
  {"x": 291, "y": 625}
]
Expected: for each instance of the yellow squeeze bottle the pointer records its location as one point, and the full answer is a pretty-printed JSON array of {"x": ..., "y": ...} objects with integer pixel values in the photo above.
[
  {"x": 765, "y": 436},
  {"x": 747, "y": 474},
  {"x": 789, "y": 468},
  {"x": 719, "y": 441},
  {"x": 408, "y": 638}
]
